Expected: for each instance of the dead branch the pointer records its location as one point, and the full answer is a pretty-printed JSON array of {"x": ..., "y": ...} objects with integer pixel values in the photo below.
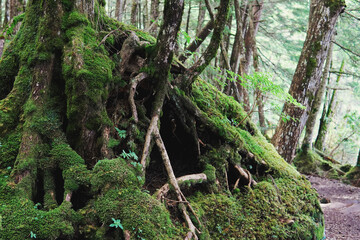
[
  {"x": 246, "y": 174},
  {"x": 346, "y": 49},
  {"x": 197, "y": 178},
  {"x": 134, "y": 82}
]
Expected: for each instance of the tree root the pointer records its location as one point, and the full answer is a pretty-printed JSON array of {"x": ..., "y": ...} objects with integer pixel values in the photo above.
[
  {"x": 134, "y": 82},
  {"x": 246, "y": 174},
  {"x": 197, "y": 178}
]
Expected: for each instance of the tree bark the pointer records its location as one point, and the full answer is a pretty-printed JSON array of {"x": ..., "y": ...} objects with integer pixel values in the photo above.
[
  {"x": 134, "y": 12},
  {"x": 154, "y": 16},
  {"x": 201, "y": 17},
  {"x": 314, "y": 110},
  {"x": 322, "y": 20},
  {"x": 328, "y": 114}
]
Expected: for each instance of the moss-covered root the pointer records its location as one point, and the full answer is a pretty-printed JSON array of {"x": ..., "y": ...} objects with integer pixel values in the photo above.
[
  {"x": 354, "y": 176},
  {"x": 309, "y": 162}
]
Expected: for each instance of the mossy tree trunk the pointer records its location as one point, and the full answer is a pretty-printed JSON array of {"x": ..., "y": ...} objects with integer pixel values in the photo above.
[
  {"x": 322, "y": 20},
  {"x": 315, "y": 108}
]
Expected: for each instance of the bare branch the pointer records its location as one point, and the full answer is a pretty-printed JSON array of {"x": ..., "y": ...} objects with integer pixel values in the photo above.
[{"x": 346, "y": 49}]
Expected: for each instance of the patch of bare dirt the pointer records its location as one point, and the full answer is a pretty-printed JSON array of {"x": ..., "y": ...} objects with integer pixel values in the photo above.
[{"x": 342, "y": 212}]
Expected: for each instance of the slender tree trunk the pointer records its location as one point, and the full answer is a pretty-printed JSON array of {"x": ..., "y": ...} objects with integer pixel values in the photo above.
[
  {"x": 154, "y": 16},
  {"x": 6, "y": 13},
  {"x": 328, "y": 114},
  {"x": 145, "y": 15},
  {"x": 201, "y": 17},
  {"x": 188, "y": 78},
  {"x": 322, "y": 20},
  {"x": 188, "y": 22},
  {"x": 118, "y": 9},
  {"x": 319, "y": 96},
  {"x": 134, "y": 12},
  {"x": 1, "y": 15},
  {"x": 358, "y": 160}
]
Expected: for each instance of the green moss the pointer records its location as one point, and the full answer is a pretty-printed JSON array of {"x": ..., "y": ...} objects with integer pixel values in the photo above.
[
  {"x": 138, "y": 212},
  {"x": 334, "y": 5},
  {"x": 9, "y": 149},
  {"x": 354, "y": 176},
  {"x": 114, "y": 173},
  {"x": 222, "y": 112},
  {"x": 292, "y": 212},
  {"x": 309, "y": 162},
  {"x": 346, "y": 168},
  {"x": 311, "y": 66}
]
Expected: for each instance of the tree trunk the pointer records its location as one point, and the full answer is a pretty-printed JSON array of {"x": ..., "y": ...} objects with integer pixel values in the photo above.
[
  {"x": 328, "y": 115},
  {"x": 322, "y": 20},
  {"x": 154, "y": 16},
  {"x": 134, "y": 12},
  {"x": 310, "y": 124},
  {"x": 201, "y": 17}
]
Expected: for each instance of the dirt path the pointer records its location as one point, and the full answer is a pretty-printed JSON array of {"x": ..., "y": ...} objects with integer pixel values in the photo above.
[{"x": 342, "y": 213}]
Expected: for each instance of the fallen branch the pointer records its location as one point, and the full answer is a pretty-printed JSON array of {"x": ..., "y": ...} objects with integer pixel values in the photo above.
[
  {"x": 246, "y": 174},
  {"x": 197, "y": 178},
  {"x": 135, "y": 81}
]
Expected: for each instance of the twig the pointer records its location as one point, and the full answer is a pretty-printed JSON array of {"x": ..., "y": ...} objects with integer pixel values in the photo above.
[{"x": 347, "y": 49}]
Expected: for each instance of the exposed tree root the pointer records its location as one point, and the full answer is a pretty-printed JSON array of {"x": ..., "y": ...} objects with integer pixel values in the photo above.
[
  {"x": 195, "y": 178},
  {"x": 148, "y": 137},
  {"x": 246, "y": 174},
  {"x": 135, "y": 81}
]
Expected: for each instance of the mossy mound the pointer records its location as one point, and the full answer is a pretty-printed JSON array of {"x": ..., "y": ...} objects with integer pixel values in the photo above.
[
  {"x": 353, "y": 176},
  {"x": 309, "y": 162}
]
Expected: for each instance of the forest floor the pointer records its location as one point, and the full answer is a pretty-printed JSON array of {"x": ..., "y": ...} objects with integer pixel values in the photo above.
[{"x": 342, "y": 212}]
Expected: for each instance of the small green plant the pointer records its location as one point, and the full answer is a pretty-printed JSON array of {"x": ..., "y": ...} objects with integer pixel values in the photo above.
[
  {"x": 129, "y": 155},
  {"x": 32, "y": 235},
  {"x": 121, "y": 133},
  {"x": 116, "y": 224}
]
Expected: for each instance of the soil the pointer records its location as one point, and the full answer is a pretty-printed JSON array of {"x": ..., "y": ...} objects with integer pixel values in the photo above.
[{"x": 341, "y": 207}]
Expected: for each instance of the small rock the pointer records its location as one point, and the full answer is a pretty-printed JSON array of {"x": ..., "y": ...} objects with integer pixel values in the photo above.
[{"x": 325, "y": 200}]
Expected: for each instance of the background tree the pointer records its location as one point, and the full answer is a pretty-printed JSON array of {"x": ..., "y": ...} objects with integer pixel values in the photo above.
[{"x": 307, "y": 75}]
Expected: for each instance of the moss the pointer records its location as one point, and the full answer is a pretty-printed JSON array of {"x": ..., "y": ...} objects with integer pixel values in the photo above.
[
  {"x": 20, "y": 217},
  {"x": 309, "y": 162},
  {"x": 138, "y": 212},
  {"x": 292, "y": 212},
  {"x": 334, "y": 5},
  {"x": 114, "y": 173},
  {"x": 222, "y": 111},
  {"x": 310, "y": 67},
  {"x": 9, "y": 148},
  {"x": 354, "y": 176},
  {"x": 346, "y": 168}
]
